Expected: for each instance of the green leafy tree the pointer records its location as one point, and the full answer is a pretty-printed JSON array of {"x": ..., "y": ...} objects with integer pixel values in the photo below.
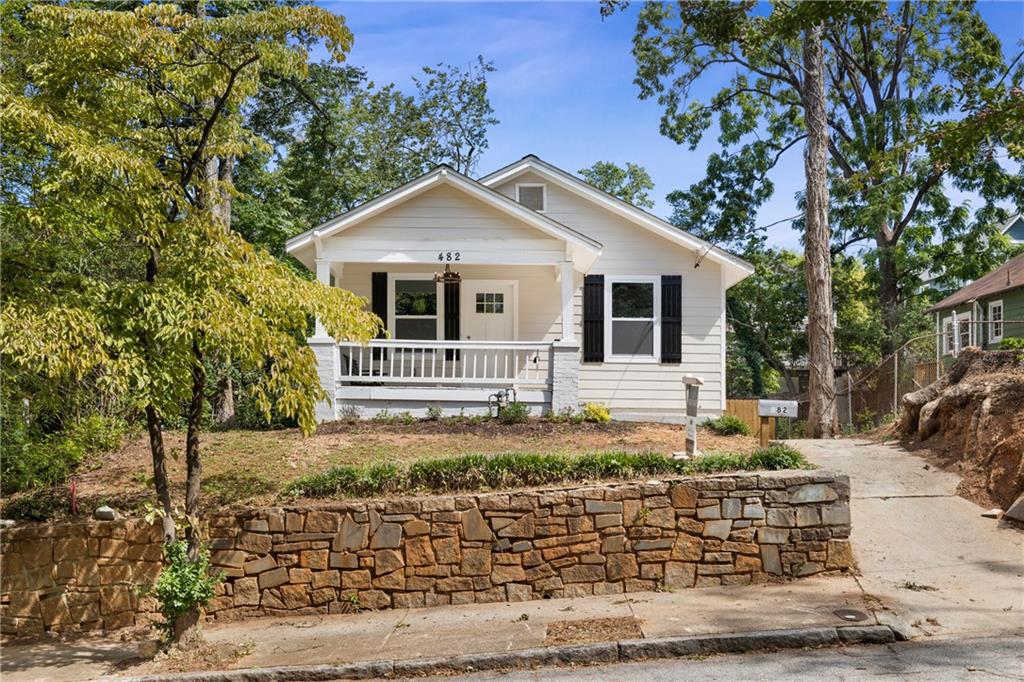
[
  {"x": 898, "y": 76},
  {"x": 126, "y": 271},
  {"x": 631, "y": 184}
]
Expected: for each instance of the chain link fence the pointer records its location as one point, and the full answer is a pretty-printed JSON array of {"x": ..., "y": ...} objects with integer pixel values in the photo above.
[{"x": 868, "y": 398}]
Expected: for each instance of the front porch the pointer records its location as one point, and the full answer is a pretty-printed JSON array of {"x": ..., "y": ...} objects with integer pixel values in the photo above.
[{"x": 455, "y": 338}]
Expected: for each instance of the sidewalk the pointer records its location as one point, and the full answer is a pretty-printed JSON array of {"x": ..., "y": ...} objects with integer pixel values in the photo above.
[{"x": 455, "y": 630}]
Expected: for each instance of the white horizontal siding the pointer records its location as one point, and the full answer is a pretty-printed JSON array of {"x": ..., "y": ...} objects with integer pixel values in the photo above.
[{"x": 632, "y": 250}]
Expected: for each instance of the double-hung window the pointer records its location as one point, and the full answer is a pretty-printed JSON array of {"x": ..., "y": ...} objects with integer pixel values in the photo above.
[
  {"x": 995, "y": 321},
  {"x": 414, "y": 307},
  {"x": 632, "y": 311},
  {"x": 964, "y": 325},
  {"x": 947, "y": 336}
]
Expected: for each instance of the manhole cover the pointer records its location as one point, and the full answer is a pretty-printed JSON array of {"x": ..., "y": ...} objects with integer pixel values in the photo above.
[{"x": 851, "y": 614}]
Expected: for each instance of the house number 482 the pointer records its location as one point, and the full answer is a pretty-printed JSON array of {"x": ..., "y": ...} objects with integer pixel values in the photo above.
[{"x": 449, "y": 256}]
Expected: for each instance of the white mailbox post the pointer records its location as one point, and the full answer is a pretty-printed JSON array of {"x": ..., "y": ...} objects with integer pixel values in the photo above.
[
  {"x": 780, "y": 409},
  {"x": 692, "y": 386}
]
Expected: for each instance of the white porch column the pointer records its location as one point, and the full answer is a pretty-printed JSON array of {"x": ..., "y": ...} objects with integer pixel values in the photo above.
[
  {"x": 566, "y": 277},
  {"x": 328, "y": 361},
  {"x": 565, "y": 353},
  {"x": 323, "y": 275}
]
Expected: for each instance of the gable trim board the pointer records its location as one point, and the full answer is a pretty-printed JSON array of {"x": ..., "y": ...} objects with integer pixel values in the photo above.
[
  {"x": 736, "y": 268},
  {"x": 582, "y": 249}
]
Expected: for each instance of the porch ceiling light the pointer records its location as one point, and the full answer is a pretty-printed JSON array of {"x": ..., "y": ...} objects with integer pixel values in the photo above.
[{"x": 447, "y": 276}]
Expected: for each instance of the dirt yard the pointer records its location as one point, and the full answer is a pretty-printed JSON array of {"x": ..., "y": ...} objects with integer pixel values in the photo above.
[{"x": 250, "y": 467}]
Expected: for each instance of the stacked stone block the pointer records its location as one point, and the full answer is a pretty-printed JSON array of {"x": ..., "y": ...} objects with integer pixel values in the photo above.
[
  {"x": 502, "y": 546},
  {"x": 77, "y": 576}
]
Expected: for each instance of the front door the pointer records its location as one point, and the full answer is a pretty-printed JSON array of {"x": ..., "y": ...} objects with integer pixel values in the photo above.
[{"x": 488, "y": 310}]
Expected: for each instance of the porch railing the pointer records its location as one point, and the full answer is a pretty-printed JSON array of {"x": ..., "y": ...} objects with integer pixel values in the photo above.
[{"x": 490, "y": 363}]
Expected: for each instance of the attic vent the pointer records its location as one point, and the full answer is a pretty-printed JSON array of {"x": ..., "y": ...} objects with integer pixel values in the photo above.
[{"x": 531, "y": 196}]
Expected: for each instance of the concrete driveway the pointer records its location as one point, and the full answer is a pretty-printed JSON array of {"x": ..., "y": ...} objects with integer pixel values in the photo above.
[{"x": 924, "y": 552}]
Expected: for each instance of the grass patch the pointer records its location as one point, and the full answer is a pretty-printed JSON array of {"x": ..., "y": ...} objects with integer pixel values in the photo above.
[{"x": 516, "y": 470}]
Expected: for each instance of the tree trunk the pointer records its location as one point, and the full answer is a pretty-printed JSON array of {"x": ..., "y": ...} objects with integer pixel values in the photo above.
[
  {"x": 163, "y": 489},
  {"x": 223, "y": 170},
  {"x": 192, "y": 459},
  {"x": 888, "y": 293},
  {"x": 822, "y": 422}
]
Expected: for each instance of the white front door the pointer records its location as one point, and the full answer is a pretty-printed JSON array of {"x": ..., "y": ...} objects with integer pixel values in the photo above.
[{"x": 488, "y": 310}]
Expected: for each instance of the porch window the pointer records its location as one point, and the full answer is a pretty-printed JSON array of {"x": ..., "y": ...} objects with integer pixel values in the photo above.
[
  {"x": 995, "y": 321},
  {"x": 632, "y": 306},
  {"x": 947, "y": 336},
  {"x": 415, "y": 309}
]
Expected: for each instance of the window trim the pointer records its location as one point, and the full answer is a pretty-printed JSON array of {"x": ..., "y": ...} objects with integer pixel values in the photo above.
[
  {"x": 438, "y": 318},
  {"x": 609, "y": 284},
  {"x": 543, "y": 195},
  {"x": 992, "y": 338}
]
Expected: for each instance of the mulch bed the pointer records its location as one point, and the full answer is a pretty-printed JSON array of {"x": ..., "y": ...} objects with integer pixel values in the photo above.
[{"x": 592, "y": 630}]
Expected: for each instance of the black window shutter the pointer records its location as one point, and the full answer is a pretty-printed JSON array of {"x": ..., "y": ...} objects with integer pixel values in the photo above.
[
  {"x": 379, "y": 303},
  {"x": 672, "y": 319},
  {"x": 451, "y": 316},
  {"x": 593, "y": 318}
]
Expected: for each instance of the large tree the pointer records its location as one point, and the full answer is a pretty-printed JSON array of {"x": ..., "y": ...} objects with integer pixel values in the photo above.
[
  {"x": 631, "y": 184},
  {"x": 125, "y": 268},
  {"x": 340, "y": 140},
  {"x": 895, "y": 74}
]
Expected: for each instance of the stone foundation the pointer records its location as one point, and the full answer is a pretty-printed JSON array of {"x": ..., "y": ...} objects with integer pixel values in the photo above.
[{"x": 410, "y": 552}]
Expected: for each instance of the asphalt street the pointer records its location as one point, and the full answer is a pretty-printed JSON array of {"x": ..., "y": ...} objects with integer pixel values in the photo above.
[{"x": 996, "y": 658}]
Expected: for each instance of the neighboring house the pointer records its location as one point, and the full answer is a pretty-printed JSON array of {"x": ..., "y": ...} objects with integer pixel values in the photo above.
[
  {"x": 984, "y": 312},
  {"x": 1014, "y": 229},
  {"x": 528, "y": 278}
]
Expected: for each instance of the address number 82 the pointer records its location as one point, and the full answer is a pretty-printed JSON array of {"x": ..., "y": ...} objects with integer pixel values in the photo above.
[{"x": 447, "y": 256}]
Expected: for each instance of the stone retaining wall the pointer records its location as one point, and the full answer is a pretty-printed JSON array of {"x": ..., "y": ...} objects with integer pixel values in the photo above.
[{"x": 568, "y": 542}]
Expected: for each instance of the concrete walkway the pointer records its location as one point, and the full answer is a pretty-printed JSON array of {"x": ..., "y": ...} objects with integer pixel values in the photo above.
[
  {"x": 441, "y": 631},
  {"x": 925, "y": 552}
]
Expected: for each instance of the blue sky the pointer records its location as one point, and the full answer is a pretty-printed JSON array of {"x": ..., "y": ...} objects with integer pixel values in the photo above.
[{"x": 564, "y": 84}]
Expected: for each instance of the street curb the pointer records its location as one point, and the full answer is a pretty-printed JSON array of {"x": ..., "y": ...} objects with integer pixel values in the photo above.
[{"x": 584, "y": 654}]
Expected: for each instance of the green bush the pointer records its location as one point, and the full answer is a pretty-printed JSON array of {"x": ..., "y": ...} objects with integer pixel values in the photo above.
[
  {"x": 514, "y": 413},
  {"x": 30, "y": 461},
  {"x": 434, "y": 413},
  {"x": 728, "y": 425},
  {"x": 516, "y": 470},
  {"x": 183, "y": 584},
  {"x": 596, "y": 413},
  {"x": 1012, "y": 343}
]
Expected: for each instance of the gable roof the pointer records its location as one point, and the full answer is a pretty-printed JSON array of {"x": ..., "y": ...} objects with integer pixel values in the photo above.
[
  {"x": 1009, "y": 275},
  {"x": 735, "y": 268},
  {"x": 446, "y": 175},
  {"x": 1010, "y": 224}
]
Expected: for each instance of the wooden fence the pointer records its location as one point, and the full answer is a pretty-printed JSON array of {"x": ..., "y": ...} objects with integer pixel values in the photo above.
[{"x": 746, "y": 409}]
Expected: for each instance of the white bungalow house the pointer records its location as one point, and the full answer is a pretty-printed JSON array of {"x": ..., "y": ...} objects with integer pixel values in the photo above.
[{"x": 529, "y": 279}]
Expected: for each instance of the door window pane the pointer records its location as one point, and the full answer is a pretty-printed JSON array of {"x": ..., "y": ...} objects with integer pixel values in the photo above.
[
  {"x": 415, "y": 297},
  {"x": 490, "y": 303},
  {"x": 633, "y": 299},
  {"x": 632, "y": 337}
]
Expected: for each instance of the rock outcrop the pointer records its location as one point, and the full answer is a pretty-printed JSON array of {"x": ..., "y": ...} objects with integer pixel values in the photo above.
[{"x": 976, "y": 414}]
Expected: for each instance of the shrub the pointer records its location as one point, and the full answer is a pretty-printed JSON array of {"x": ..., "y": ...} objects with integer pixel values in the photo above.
[
  {"x": 350, "y": 414},
  {"x": 514, "y": 470},
  {"x": 434, "y": 413},
  {"x": 728, "y": 425},
  {"x": 514, "y": 413},
  {"x": 596, "y": 413},
  {"x": 777, "y": 456},
  {"x": 30, "y": 461},
  {"x": 183, "y": 584},
  {"x": 1012, "y": 343}
]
